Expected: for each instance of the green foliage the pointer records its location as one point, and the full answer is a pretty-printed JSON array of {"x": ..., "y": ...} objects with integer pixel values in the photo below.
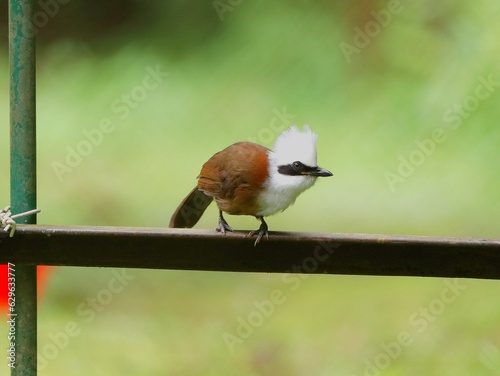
[{"x": 377, "y": 115}]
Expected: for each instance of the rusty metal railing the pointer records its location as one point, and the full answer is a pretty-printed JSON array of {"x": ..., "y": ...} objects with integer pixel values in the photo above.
[{"x": 157, "y": 248}]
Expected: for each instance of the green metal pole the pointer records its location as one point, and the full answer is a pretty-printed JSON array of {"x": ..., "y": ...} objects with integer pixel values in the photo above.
[{"x": 23, "y": 174}]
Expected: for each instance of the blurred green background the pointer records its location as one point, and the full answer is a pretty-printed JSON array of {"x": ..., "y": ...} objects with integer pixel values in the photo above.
[{"x": 376, "y": 80}]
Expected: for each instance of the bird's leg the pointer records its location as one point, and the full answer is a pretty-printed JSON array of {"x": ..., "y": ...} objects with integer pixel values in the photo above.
[
  {"x": 260, "y": 232},
  {"x": 223, "y": 226}
]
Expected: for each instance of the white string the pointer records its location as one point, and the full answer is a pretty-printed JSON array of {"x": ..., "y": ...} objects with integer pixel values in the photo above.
[{"x": 7, "y": 219}]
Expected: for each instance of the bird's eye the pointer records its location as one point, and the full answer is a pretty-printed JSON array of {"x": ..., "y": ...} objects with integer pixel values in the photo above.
[{"x": 297, "y": 165}]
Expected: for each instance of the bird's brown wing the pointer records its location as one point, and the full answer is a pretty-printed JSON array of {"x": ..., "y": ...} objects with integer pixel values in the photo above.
[{"x": 234, "y": 177}]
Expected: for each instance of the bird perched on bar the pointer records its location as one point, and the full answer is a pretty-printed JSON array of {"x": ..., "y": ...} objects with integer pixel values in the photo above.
[{"x": 249, "y": 179}]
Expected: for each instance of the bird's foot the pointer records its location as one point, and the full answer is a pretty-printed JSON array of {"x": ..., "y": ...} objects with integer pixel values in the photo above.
[
  {"x": 261, "y": 232},
  {"x": 223, "y": 225}
]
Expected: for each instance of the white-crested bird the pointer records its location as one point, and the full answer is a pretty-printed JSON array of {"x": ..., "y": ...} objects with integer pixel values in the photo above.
[{"x": 249, "y": 179}]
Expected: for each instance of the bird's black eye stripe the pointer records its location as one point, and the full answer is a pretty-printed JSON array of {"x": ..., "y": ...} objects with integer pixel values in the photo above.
[{"x": 295, "y": 168}]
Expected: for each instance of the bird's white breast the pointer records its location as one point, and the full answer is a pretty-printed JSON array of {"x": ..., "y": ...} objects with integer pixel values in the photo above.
[{"x": 281, "y": 191}]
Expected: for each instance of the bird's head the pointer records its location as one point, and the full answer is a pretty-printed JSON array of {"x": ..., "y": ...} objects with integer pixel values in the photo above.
[
  {"x": 294, "y": 154},
  {"x": 292, "y": 169}
]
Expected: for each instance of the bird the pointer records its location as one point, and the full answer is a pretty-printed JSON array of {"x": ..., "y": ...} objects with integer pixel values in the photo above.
[{"x": 249, "y": 179}]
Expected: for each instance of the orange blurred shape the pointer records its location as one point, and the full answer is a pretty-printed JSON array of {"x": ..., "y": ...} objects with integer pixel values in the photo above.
[{"x": 42, "y": 274}]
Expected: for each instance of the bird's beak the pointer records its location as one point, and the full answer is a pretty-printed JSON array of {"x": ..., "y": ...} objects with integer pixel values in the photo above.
[{"x": 318, "y": 171}]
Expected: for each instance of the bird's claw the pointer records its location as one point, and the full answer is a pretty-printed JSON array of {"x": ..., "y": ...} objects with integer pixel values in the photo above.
[
  {"x": 260, "y": 234},
  {"x": 223, "y": 226}
]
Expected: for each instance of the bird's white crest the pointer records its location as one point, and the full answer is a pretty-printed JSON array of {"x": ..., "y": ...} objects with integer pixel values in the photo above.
[
  {"x": 282, "y": 190},
  {"x": 293, "y": 145}
]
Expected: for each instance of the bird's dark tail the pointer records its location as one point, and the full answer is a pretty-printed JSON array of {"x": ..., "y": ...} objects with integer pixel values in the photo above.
[{"x": 190, "y": 210}]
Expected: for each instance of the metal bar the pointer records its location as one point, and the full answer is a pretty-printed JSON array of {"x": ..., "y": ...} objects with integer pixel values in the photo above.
[
  {"x": 156, "y": 248},
  {"x": 23, "y": 174}
]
